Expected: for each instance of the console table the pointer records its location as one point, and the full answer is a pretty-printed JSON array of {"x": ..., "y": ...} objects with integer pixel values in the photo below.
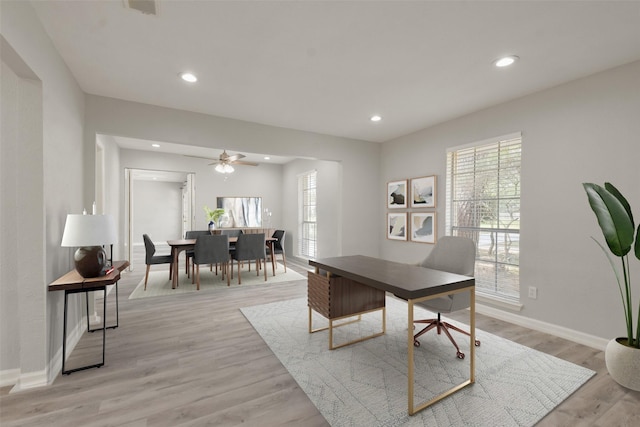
[
  {"x": 73, "y": 283},
  {"x": 357, "y": 281}
]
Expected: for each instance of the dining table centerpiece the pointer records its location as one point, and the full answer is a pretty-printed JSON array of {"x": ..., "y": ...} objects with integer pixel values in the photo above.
[{"x": 214, "y": 216}]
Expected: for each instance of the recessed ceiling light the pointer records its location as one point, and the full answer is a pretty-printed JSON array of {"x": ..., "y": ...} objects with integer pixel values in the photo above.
[
  {"x": 505, "y": 61},
  {"x": 155, "y": 145},
  {"x": 375, "y": 118},
  {"x": 267, "y": 158},
  {"x": 188, "y": 77}
]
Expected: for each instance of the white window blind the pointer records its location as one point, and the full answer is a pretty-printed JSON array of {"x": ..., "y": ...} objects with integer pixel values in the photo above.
[
  {"x": 483, "y": 203},
  {"x": 307, "y": 226}
]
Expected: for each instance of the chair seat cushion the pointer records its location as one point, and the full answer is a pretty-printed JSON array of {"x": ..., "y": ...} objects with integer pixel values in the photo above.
[
  {"x": 439, "y": 305},
  {"x": 160, "y": 259}
]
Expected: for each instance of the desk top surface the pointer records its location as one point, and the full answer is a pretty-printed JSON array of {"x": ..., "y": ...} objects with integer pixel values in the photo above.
[
  {"x": 73, "y": 279},
  {"x": 403, "y": 280}
]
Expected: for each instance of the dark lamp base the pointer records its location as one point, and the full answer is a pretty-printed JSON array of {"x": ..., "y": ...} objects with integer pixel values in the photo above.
[{"x": 90, "y": 261}]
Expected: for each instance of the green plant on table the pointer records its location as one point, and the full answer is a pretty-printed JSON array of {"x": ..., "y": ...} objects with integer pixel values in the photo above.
[
  {"x": 213, "y": 214},
  {"x": 616, "y": 222}
]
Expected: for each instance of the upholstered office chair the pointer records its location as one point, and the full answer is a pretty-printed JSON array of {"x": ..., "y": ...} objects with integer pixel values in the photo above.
[
  {"x": 211, "y": 249},
  {"x": 152, "y": 259},
  {"x": 454, "y": 255},
  {"x": 278, "y": 246},
  {"x": 248, "y": 248},
  {"x": 193, "y": 234}
]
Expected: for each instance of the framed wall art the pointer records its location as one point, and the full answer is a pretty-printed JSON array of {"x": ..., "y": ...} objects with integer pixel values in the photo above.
[
  {"x": 423, "y": 192},
  {"x": 423, "y": 227},
  {"x": 397, "y": 194},
  {"x": 397, "y": 226}
]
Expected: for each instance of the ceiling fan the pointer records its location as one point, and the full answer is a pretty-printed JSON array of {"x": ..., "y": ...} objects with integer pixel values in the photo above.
[{"x": 225, "y": 161}]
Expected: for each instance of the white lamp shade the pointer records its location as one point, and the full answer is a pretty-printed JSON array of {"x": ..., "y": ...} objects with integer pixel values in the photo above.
[{"x": 89, "y": 230}]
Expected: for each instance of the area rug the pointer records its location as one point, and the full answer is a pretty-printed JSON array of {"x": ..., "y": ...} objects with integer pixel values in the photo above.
[
  {"x": 159, "y": 283},
  {"x": 365, "y": 384}
]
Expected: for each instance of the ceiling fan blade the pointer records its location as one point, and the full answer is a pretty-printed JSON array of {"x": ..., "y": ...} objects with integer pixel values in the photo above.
[
  {"x": 240, "y": 162},
  {"x": 199, "y": 157},
  {"x": 235, "y": 157}
]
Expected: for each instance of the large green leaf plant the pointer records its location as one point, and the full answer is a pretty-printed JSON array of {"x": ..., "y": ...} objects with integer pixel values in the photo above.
[{"x": 616, "y": 222}]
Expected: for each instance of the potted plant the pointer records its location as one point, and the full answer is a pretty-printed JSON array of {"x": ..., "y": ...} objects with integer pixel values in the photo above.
[
  {"x": 213, "y": 215},
  {"x": 613, "y": 212}
]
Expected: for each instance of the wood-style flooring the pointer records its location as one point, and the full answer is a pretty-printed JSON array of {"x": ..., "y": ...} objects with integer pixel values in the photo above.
[{"x": 193, "y": 359}]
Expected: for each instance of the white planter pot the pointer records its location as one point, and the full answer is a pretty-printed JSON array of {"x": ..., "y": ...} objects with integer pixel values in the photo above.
[{"x": 623, "y": 364}]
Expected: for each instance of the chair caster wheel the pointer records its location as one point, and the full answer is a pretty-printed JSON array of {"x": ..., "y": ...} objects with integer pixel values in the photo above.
[
  {"x": 416, "y": 343},
  {"x": 477, "y": 343},
  {"x": 460, "y": 355}
]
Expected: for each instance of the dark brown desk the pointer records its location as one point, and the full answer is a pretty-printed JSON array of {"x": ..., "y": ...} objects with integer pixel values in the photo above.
[
  {"x": 73, "y": 283},
  {"x": 409, "y": 282}
]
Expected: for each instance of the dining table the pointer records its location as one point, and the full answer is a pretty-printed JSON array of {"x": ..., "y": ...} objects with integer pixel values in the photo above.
[{"x": 180, "y": 245}]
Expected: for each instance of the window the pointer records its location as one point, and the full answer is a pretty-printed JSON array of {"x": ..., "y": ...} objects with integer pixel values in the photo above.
[
  {"x": 483, "y": 203},
  {"x": 307, "y": 227}
]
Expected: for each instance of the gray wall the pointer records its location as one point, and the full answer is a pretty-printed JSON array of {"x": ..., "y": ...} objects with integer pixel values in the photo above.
[
  {"x": 46, "y": 174},
  {"x": 583, "y": 131}
]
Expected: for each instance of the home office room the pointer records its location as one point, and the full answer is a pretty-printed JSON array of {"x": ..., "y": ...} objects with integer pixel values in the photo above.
[{"x": 406, "y": 167}]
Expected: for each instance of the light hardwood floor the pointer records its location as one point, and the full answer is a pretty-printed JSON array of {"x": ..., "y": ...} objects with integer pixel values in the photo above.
[{"x": 193, "y": 359}]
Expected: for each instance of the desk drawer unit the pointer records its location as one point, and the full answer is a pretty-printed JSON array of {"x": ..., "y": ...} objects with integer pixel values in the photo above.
[{"x": 337, "y": 297}]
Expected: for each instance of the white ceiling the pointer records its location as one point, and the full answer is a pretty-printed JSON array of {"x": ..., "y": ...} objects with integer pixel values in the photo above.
[{"x": 326, "y": 66}]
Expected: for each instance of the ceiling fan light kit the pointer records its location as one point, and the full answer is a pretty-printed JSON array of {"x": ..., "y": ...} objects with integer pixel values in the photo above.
[{"x": 225, "y": 161}]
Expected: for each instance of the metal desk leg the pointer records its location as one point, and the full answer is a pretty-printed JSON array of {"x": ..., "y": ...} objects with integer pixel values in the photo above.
[{"x": 64, "y": 332}]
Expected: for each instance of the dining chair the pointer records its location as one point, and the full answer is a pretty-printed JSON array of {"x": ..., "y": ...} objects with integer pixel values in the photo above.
[
  {"x": 152, "y": 259},
  {"x": 211, "y": 249},
  {"x": 193, "y": 234},
  {"x": 232, "y": 233},
  {"x": 278, "y": 247},
  {"x": 250, "y": 247},
  {"x": 456, "y": 255}
]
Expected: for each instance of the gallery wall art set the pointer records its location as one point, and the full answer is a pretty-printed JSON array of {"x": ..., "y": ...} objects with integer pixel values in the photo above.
[{"x": 414, "y": 193}]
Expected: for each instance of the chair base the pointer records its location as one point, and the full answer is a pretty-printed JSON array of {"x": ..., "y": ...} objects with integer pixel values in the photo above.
[{"x": 442, "y": 326}]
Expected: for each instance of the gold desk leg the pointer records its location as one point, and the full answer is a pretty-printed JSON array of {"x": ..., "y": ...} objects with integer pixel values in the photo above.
[
  {"x": 410, "y": 367},
  {"x": 332, "y": 326}
]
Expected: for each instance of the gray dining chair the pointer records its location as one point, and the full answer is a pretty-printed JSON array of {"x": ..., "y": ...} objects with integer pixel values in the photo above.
[
  {"x": 278, "y": 247},
  {"x": 211, "y": 249},
  {"x": 152, "y": 259},
  {"x": 456, "y": 255},
  {"x": 250, "y": 247},
  {"x": 193, "y": 234}
]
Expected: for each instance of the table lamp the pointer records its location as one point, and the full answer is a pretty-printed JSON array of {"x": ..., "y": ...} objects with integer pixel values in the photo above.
[{"x": 88, "y": 233}]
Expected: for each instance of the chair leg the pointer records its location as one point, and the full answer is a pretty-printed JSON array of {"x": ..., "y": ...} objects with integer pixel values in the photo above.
[
  {"x": 239, "y": 279},
  {"x": 146, "y": 276},
  {"x": 198, "y": 277},
  {"x": 265, "y": 270}
]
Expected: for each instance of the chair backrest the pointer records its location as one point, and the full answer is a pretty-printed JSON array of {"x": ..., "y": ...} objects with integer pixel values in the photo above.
[
  {"x": 456, "y": 255},
  {"x": 452, "y": 254},
  {"x": 232, "y": 233},
  {"x": 194, "y": 234},
  {"x": 280, "y": 235},
  {"x": 149, "y": 248},
  {"x": 251, "y": 246},
  {"x": 211, "y": 249}
]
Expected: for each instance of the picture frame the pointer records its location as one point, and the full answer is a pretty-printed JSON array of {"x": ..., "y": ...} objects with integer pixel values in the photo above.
[
  {"x": 397, "y": 226},
  {"x": 424, "y": 192},
  {"x": 423, "y": 227},
  {"x": 397, "y": 194}
]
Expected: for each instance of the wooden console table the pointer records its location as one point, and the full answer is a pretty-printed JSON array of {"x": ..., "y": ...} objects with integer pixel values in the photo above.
[
  {"x": 409, "y": 282},
  {"x": 73, "y": 283}
]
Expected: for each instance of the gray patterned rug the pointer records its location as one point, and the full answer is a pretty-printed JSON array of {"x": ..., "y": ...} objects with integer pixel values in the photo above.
[{"x": 365, "y": 384}]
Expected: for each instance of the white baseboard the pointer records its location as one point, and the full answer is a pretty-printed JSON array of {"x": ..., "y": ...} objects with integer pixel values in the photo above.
[
  {"x": 538, "y": 325},
  {"x": 45, "y": 377}
]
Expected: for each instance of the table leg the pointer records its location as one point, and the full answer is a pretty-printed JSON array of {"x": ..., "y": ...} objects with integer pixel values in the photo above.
[
  {"x": 273, "y": 257},
  {"x": 174, "y": 280}
]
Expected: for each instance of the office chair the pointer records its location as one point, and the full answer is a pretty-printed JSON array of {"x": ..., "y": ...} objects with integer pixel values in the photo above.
[{"x": 454, "y": 255}]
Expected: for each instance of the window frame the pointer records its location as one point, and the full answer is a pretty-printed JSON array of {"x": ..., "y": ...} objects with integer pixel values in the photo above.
[{"x": 307, "y": 247}]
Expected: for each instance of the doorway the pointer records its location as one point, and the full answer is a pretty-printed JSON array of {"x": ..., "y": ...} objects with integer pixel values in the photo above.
[{"x": 158, "y": 203}]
